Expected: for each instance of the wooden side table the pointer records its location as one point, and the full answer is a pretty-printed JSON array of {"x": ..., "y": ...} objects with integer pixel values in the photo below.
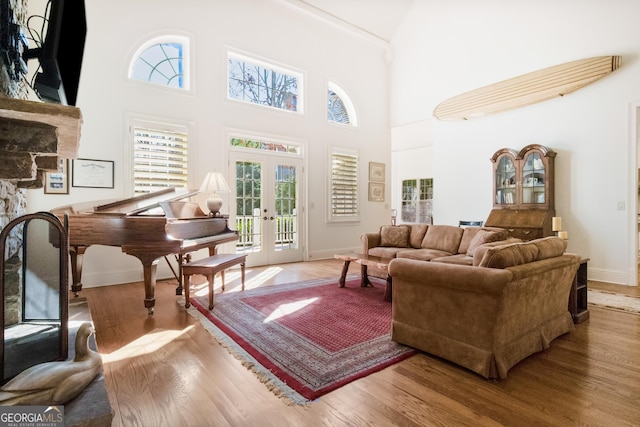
[{"x": 578, "y": 296}]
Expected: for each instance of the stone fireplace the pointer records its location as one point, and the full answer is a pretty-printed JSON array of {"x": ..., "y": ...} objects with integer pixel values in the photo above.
[{"x": 33, "y": 136}]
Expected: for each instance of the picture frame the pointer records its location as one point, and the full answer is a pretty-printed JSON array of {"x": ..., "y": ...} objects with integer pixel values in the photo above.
[
  {"x": 376, "y": 192},
  {"x": 57, "y": 182},
  {"x": 92, "y": 173},
  {"x": 376, "y": 172}
]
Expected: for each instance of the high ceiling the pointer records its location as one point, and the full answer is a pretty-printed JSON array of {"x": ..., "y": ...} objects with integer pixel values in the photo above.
[{"x": 378, "y": 18}]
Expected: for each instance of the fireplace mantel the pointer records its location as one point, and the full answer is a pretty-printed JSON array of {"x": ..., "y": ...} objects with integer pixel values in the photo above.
[
  {"x": 34, "y": 136},
  {"x": 67, "y": 120}
]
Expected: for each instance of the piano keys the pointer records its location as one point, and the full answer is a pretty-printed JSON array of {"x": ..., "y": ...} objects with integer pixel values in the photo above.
[{"x": 148, "y": 227}]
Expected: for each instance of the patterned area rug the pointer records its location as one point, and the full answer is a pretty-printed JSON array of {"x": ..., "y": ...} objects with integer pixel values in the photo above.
[
  {"x": 305, "y": 339},
  {"x": 613, "y": 301}
]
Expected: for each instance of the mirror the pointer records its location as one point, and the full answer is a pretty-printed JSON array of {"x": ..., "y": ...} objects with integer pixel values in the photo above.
[{"x": 34, "y": 282}]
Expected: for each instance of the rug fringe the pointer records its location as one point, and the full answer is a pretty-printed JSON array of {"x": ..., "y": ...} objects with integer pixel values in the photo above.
[{"x": 273, "y": 383}]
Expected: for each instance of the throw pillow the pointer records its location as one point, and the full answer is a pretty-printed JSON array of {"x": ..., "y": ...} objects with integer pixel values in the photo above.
[
  {"x": 394, "y": 235},
  {"x": 509, "y": 255},
  {"x": 549, "y": 247},
  {"x": 482, "y": 237}
]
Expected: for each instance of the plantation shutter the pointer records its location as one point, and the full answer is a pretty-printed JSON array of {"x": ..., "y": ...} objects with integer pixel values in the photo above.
[
  {"x": 159, "y": 158},
  {"x": 344, "y": 186}
]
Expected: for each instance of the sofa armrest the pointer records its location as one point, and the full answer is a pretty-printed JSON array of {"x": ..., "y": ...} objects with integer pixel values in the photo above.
[{"x": 369, "y": 240}]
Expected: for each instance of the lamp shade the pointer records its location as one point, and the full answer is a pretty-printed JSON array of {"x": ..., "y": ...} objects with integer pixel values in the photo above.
[{"x": 214, "y": 182}]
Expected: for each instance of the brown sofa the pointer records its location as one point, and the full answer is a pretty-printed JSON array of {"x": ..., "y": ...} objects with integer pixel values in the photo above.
[
  {"x": 487, "y": 317},
  {"x": 436, "y": 243}
]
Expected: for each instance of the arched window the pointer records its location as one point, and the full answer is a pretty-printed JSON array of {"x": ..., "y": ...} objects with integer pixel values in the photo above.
[
  {"x": 163, "y": 61},
  {"x": 339, "y": 106}
]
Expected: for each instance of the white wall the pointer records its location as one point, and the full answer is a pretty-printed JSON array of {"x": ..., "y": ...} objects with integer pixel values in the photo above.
[
  {"x": 271, "y": 29},
  {"x": 445, "y": 48}
]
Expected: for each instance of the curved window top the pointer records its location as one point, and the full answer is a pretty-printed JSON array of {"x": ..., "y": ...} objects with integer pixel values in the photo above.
[
  {"x": 163, "y": 61},
  {"x": 339, "y": 106}
]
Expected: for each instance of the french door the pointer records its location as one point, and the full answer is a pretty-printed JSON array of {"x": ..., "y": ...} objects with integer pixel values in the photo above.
[{"x": 265, "y": 207}]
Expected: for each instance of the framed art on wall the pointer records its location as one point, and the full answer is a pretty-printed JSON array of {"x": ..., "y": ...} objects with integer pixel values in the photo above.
[
  {"x": 376, "y": 192},
  {"x": 92, "y": 173},
  {"x": 57, "y": 182},
  {"x": 376, "y": 172}
]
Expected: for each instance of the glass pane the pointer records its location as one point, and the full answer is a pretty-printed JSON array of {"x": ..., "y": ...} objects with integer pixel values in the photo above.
[
  {"x": 161, "y": 64},
  {"x": 533, "y": 177},
  {"x": 286, "y": 219},
  {"x": 505, "y": 181},
  {"x": 248, "y": 208}
]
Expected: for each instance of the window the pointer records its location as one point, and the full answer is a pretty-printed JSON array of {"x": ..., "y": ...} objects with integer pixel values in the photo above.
[
  {"x": 339, "y": 106},
  {"x": 344, "y": 186},
  {"x": 262, "y": 144},
  {"x": 257, "y": 82},
  {"x": 162, "y": 61},
  {"x": 159, "y": 156},
  {"x": 417, "y": 200}
]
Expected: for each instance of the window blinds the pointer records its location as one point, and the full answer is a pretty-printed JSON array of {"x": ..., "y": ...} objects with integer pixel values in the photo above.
[{"x": 159, "y": 159}]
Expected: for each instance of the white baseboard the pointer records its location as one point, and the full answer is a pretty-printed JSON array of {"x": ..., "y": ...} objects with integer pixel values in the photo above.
[{"x": 609, "y": 276}]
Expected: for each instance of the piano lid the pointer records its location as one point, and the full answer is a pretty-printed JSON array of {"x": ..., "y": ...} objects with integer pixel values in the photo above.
[
  {"x": 182, "y": 210},
  {"x": 146, "y": 203}
]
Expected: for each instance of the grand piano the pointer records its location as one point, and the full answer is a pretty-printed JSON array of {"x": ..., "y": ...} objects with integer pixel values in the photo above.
[{"x": 149, "y": 227}]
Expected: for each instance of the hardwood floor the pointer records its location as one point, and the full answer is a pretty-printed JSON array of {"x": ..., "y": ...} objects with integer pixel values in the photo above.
[{"x": 165, "y": 369}]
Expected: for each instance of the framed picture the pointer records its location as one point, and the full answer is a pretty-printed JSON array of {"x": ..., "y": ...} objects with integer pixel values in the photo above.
[
  {"x": 376, "y": 192},
  {"x": 376, "y": 172},
  {"x": 57, "y": 182},
  {"x": 92, "y": 173}
]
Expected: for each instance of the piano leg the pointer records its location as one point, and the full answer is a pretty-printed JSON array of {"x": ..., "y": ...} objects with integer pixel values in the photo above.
[
  {"x": 76, "y": 253},
  {"x": 150, "y": 266}
]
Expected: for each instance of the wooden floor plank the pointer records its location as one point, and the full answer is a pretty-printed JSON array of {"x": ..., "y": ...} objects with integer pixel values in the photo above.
[{"x": 166, "y": 369}]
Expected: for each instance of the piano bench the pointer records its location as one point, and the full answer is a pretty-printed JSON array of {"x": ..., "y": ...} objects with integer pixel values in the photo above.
[{"x": 209, "y": 267}]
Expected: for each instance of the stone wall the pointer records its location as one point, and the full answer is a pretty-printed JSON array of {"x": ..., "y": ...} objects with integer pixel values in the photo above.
[{"x": 12, "y": 199}]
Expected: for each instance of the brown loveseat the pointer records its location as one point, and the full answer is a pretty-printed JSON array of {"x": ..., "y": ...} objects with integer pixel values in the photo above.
[
  {"x": 487, "y": 317},
  {"x": 436, "y": 243}
]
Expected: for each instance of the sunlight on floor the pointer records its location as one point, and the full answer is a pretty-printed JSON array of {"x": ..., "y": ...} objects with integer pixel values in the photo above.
[
  {"x": 232, "y": 278},
  {"x": 289, "y": 308},
  {"x": 146, "y": 344}
]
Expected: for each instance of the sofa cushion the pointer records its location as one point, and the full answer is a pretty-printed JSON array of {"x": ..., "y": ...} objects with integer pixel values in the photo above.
[
  {"x": 467, "y": 236},
  {"x": 443, "y": 237},
  {"x": 509, "y": 255},
  {"x": 549, "y": 247},
  {"x": 417, "y": 234},
  {"x": 421, "y": 254},
  {"x": 394, "y": 236},
  {"x": 388, "y": 252},
  {"x": 485, "y": 236}
]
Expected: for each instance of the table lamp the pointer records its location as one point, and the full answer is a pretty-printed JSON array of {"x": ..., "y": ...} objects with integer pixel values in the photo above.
[{"x": 214, "y": 183}]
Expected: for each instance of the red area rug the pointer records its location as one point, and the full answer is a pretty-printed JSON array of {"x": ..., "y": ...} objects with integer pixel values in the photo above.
[{"x": 306, "y": 339}]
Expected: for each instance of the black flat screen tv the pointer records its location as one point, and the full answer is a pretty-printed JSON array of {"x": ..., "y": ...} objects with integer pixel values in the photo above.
[{"x": 61, "y": 53}]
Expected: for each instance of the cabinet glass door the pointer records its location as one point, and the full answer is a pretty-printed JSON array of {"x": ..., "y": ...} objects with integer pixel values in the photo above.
[
  {"x": 506, "y": 181},
  {"x": 533, "y": 179}
]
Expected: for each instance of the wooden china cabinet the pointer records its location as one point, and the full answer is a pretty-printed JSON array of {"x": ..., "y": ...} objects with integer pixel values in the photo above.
[{"x": 523, "y": 191}]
